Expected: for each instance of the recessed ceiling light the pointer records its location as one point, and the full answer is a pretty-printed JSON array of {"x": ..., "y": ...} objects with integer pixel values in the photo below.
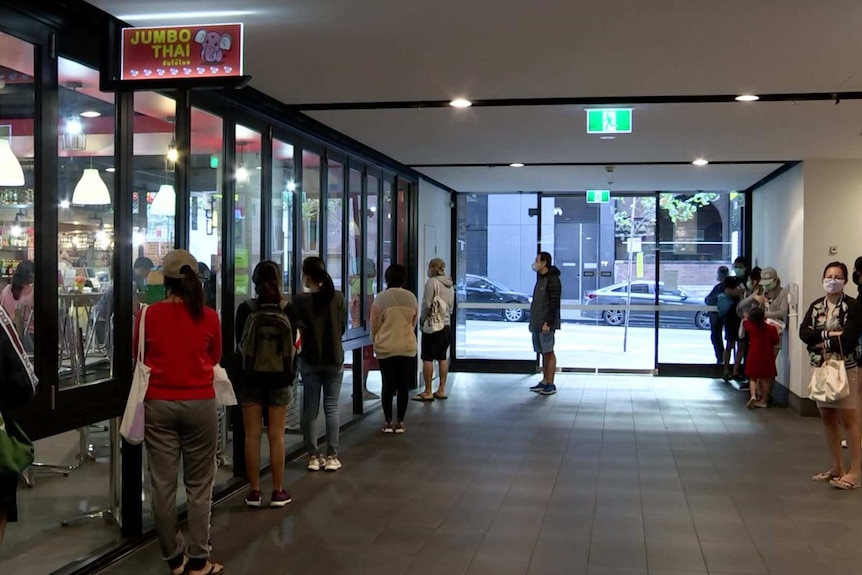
[
  {"x": 516, "y": 165},
  {"x": 700, "y": 162},
  {"x": 460, "y": 103},
  {"x": 64, "y": 205},
  {"x": 111, "y": 170},
  {"x": 91, "y": 114},
  {"x": 607, "y": 137},
  {"x": 747, "y": 98}
]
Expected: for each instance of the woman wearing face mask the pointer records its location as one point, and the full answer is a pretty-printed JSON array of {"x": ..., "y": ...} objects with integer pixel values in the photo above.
[
  {"x": 832, "y": 326},
  {"x": 772, "y": 298},
  {"x": 321, "y": 318}
]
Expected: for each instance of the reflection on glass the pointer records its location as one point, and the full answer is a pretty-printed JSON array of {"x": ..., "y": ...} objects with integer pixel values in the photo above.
[
  {"x": 86, "y": 224},
  {"x": 205, "y": 201},
  {"x": 371, "y": 272},
  {"x": 354, "y": 248},
  {"x": 17, "y": 186},
  {"x": 283, "y": 193},
  {"x": 335, "y": 222},
  {"x": 310, "y": 197},
  {"x": 153, "y": 194},
  {"x": 247, "y": 211},
  {"x": 386, "y": 224},
  {"x": 699, "y": 233}
]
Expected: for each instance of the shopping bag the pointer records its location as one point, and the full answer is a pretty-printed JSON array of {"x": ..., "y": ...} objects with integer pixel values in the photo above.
[
  {"x": 829, "y": 381},
  {"x": 16, "y": 449},
  {"x": 223, "y": 387},
  {"x": 132, "y": 425}
]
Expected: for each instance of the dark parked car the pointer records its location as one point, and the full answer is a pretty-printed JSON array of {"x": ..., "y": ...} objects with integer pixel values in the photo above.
[
  {"x": 479, "y": 289},
  {"x": 643, "y": 293}
]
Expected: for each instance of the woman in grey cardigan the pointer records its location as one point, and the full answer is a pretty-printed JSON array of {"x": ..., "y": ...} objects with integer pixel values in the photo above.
[{"x": 773, "y": 298}]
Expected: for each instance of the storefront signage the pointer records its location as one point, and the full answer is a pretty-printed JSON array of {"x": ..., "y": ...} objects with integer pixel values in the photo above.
[
  {"x": 181, "y": 52},
  {"x": 598, "y": 196},
  {"x": 609, "y": 121}
]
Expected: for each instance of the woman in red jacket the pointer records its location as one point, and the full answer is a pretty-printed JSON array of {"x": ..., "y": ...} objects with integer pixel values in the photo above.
[{"x": 182, "y": 344}]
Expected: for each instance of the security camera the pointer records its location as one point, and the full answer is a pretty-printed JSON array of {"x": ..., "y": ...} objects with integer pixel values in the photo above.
[
  {"x": 610, "y": 169},
  {"x": 451, "y": 204}
]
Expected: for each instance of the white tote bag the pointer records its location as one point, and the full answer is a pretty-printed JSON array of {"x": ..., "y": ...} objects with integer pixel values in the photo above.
[
  {"x": 132, "y": 425},
  {"x": 829, "y": 381},
  {"x": 223, "y": 387}
]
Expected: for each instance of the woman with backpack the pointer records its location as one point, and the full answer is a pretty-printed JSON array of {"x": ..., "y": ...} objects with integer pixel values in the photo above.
[
  {"x": 265, "y": 344},
  {"x": 321, "y": 318},
  {"x": 182, "y": 343},
  {"x": 437, "y": 303}
]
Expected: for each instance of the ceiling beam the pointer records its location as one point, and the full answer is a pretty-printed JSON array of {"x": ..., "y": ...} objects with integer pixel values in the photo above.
[
  {"x": 608, "y": 163},
  {"x": 581, "y": 101}
]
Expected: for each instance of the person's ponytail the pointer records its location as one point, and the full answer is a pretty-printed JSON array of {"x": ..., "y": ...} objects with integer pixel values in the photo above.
[
  {"x": 327, "y": 290},
  {"x": 188, "y": 289},
  {"x": 315, "y": 269}
]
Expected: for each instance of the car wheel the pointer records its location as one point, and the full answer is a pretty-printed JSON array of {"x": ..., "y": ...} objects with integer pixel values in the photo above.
[
  {"x": 614, "y": 317},
  {"x": 701, "y": 320},
  {"x": 513, "y": 314}
]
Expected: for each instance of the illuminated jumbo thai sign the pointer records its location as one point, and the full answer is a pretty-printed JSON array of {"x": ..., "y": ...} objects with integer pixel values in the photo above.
[{"x": 181, "y": 52}]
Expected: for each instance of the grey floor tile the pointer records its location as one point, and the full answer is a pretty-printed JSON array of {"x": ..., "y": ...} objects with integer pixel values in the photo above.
[
  {"x": 618, "y": 553},
  {"x": 733, "y": 558},
  {"x": 674, "y": 554},
  {"x": 498, "y": 567}
]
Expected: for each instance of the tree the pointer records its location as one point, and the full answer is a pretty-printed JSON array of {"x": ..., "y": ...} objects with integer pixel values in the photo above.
[{"x": 678, "y": 209}]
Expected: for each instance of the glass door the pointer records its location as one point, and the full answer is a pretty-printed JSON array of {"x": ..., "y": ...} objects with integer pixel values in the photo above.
[{"x": 605, "y": 253}]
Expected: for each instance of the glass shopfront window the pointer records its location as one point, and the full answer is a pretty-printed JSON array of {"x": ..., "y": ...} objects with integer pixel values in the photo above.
[
  {"x": 206, "y": 167},
  {"x": 386, "y": 209},
  {"x": 335, "y": 222},
  {"x": 86, "y": 187},
  {"x": 354, "y": 248},
  {"x": 371, "y": 230},
  {"x": 17, "y": 185},
  {"x": 283, "y": 194},
  {"x": 153, "y": 194},
  {"x": 310, "y": 194},
  {"x": 247, "y": 211}
]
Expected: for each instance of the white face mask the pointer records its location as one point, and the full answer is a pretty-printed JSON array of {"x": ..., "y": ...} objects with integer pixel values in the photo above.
[
  {"x": 833, "y": 286},
  {"x": 536, "y": 267}
]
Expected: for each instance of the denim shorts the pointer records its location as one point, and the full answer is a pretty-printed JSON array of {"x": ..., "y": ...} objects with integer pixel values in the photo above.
[
  {"x": 543, "y": 341},
  {"x": 247, "y": 394}
]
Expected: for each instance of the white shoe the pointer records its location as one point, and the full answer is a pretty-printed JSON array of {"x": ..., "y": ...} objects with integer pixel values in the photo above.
[
  {"x": 313, "y": 463},
  {"x": 332, "y": 463}
]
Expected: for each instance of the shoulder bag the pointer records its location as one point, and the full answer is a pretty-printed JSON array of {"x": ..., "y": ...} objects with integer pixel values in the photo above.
[
  {"x": 829, "y": 381},
  {"x": 132, "y": 425}
]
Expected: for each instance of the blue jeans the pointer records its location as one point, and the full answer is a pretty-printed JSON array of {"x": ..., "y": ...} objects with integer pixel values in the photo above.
[{"x": 315, "y": 380}]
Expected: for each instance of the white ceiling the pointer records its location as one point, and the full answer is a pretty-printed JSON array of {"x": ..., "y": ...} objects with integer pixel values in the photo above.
[{"x": 325, "y": 51}]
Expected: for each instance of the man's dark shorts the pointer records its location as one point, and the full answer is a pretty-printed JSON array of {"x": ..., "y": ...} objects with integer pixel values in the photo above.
[
  {"x": 543, "y": 341},
  {"x": 435, "y": 346}
]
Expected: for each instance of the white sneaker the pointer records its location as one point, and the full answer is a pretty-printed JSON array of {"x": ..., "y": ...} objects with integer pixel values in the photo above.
[
  {"x": 313, "y": 463},
  {"x": 332, "y": 463}
]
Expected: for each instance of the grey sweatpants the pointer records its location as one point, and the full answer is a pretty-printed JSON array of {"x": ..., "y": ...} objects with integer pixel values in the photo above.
[{"x": 188, "y": 429}]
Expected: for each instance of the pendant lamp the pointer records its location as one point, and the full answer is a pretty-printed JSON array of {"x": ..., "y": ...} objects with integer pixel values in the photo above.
[
  {"x": 91, "y": 189},
  {"x": 11, "y": 173},
  {"x": 165, "y": 202}
]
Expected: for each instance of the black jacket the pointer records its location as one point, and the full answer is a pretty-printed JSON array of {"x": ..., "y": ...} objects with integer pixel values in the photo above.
[
  {"x": 321, "y": 331},
  {"x": 545, "y": 308}
]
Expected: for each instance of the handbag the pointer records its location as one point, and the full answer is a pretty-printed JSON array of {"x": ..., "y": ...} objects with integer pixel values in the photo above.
[
  {"x": 437, "y": 312},
  {"x": 132, "y": 425},
  {"x": 829, "y": 381},
  {"x": 16, "y": 449},
  {"x": 224, "y": 393}
]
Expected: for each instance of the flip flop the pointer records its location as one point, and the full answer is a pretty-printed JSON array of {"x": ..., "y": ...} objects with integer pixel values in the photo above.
[
  {"x": 440, "y": 396},
  {"x": 423, "y": 397},
  {"x": 824, "y": 477},
  {"x": 751, "y": 402},
  {"x": 214, "y": 569},
  {"x": 179, "y": 570},
  {"x": 843, "y": 484}
]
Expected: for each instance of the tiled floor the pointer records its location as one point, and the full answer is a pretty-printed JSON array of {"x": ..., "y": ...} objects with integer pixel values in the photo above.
[{"x": 612, "y": 476}]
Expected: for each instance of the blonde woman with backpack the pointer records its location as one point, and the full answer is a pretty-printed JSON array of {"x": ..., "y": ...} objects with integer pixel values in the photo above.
[
  {"x": 265, "y": 349},
  {"x": 321, "y": 317},
  {"x": 434, "y": 320}
]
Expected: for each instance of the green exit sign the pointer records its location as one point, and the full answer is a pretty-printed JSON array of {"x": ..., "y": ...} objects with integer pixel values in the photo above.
[
  {"x": 598, "y": 196},
  {"x": 609, "y": 121}
]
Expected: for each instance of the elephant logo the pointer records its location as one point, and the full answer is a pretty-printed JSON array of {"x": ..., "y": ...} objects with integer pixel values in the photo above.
[{"x": 213, "y": 45}]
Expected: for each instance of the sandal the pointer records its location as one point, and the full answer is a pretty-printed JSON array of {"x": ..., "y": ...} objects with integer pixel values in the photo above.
[
  {"x": 213, "y": 569},
  {"x": 824, "y": 477},
  {"x": 751, "y": 402},
  {"x": 181, "y": 568},
  {"x": 439, "y": 395},
  {"x": 843, "y": 484},
  {"x": 423, "y": 397}
]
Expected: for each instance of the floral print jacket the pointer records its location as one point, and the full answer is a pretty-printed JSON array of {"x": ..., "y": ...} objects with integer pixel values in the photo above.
[{"x": 815, "y": 326}]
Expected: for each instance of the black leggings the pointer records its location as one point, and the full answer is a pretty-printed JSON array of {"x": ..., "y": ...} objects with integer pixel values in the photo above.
[{"x": 398, "y": 372}]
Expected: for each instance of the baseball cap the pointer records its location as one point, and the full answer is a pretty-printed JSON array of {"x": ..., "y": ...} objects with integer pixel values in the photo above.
[
  {"x": 768, "y": 275},
  {"x": 174, "y": 262}
]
